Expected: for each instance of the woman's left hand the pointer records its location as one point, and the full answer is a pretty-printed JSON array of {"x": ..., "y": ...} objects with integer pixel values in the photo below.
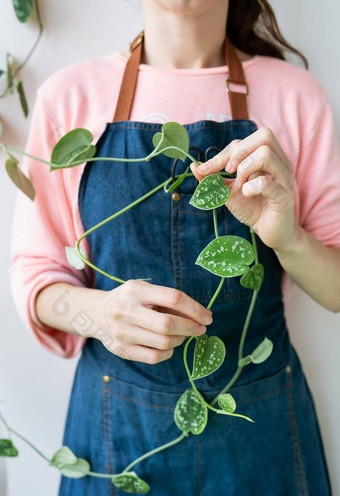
[{"x": 262, "y": 195}]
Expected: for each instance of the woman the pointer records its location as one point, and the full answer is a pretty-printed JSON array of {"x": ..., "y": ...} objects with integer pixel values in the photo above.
[{"x": 280, "y": 140}]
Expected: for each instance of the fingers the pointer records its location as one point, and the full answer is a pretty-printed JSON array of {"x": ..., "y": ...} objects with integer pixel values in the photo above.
[
  {"x": 264, "y": 160},
  {"x": 278, "y": 196},
  {"x": 241, "y": 150},
  {"x": 165, "y": 323},
  {"x": 174, "y": 299},
  {"x": 217, "y": 163},
  {"x": 137, "y": 335},
  {"x": 140, "y": 353}
]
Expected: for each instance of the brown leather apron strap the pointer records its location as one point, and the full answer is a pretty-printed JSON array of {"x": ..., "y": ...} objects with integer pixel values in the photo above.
[
  {"x": 129, "y": 81},
  {"x": 237, "y": 100}
]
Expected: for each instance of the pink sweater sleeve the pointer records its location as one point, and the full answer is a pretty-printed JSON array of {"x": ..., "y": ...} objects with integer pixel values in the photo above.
[
  {"x": 40, "y": 231},
  {"x": 318, "y": 177}
]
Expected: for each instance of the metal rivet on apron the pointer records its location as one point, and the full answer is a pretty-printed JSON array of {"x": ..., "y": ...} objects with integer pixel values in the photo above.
[
  {"x": 106, "y": 378},
  {"x": 176, "y": 196},
  {"x": 288, "y": 369}
]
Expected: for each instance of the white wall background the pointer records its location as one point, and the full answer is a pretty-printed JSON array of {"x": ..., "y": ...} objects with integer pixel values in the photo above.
[{"x": 36, "y": 384}]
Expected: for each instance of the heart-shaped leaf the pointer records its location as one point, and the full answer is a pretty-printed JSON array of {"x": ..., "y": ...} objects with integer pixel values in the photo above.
[
  {"x": 23, "y": 9},
  {"x": 130, "y": 483},
  {"x": 76, "y": 470},
  {"x": 22, "y": 96},
  {"x": 177, "y": 182},
  {"x": 191, "y": 414},
  {"x": 7, "y": 448},
  {"x": 227, "y": 402},
  {"x": 227, "y": 256},
  {"x": 262, "y": 351},
  {"x": 64, "y": 456},
  {"x": 73, "y": 258},
  {"x": 253, "y": 278},
  {"x": 210, "y": 193},
  {"x": 208, "y": 357},
  {"x": 18, "y": 177},
  {"x": 73, "y": 146},
  {"x": 173, "y": 134},
  {"x": 68, "y": 464}
]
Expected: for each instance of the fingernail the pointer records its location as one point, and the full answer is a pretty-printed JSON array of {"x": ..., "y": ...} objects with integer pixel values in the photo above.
[
  {"x": 202, "y": 328},
  {"x": 228, "y": 167},
  {"x": 207, "y": 319}
]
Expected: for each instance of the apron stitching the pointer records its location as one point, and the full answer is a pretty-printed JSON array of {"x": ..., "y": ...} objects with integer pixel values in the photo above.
[
  {"x": 229, "y": 296},
  {"x": 194, "y": 213},
  {"x": 179, "y": 247},
  {"x": 298, "y": 467},
  {"x": 139, "y": 402},
  {"x": 107, "y": 438},
  {"x": 269, "y": 393},
  {"x": 198, "y": 466}
]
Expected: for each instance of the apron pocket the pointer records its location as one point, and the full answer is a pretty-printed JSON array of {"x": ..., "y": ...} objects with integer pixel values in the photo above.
[
  {"x": 263, "y": 457},
  {"x": 138, "y": 420}
]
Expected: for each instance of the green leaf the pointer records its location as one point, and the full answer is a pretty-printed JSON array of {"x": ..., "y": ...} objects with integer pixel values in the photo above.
[
  {"x": 227, "y": 256},
  {"x": 191, "y": 414},
  {"x": 68, "y": 464},
  {"x": 253, "y": 278},
  {"x": 73, "y": 146},
  {"x": 245, "y": 361},
  {"x": 18, "y": 177},
  {"x": 262, "y": 351},
  {"x": 173, "y": 134},
  {"x": 64, "y": 456},
  {"x": 177, "y": 182},
  {"x": 210, "y": 193},
  {"x": 7, "y": 448},
  {"x": 23, "y": 9},
  {"x": 73, "y": 258},
  {"x": 227, "y": 402},
  {"x": 130, "y": 483},
  {"x": 9, "y": 74},
  {"x": 76, "y": 470},
  {"x": 208, "y": 357},
  {"x": 23, "y": 101}
]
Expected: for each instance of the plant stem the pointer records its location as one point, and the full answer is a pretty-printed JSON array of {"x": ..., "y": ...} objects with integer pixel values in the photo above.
[
  {"x": 18, "y": 69},
  {"x": 253, "y": 239},
  {"x": 156, "y": 450},
  {"x": 185, "y": 353},
  {"x": 215, "y": 222},
  {"x": 216, "y": 293},
  {"x": 108, "y": 219},
  {"x": 23, "y": 439},
  {"x": 245, "y": 328}
]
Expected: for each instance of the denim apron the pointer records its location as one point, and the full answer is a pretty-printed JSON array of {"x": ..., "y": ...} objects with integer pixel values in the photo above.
[{"x": 120, "y": 409}]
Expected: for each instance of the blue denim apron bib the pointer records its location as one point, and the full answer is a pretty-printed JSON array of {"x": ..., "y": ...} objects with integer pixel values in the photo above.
[{"x": 120, "y": 409}]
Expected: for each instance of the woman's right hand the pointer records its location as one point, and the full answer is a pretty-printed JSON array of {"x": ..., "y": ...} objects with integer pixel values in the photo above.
[{"x": 144, "y": 322}]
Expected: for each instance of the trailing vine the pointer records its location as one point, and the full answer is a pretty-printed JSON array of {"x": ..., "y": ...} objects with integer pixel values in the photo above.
[
  {"x": 224, "y": 256},
  {"x": 24, "y": 10}
]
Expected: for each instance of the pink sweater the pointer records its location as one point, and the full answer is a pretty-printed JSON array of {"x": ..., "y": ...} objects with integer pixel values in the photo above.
[{"x": 282, "y": 97}]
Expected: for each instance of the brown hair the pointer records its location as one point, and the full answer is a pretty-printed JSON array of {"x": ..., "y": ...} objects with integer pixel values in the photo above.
[{"x": 252, "y": 27}]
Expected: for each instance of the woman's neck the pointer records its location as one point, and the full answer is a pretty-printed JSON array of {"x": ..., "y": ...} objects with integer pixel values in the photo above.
[{"x": 184, "y": 39}]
